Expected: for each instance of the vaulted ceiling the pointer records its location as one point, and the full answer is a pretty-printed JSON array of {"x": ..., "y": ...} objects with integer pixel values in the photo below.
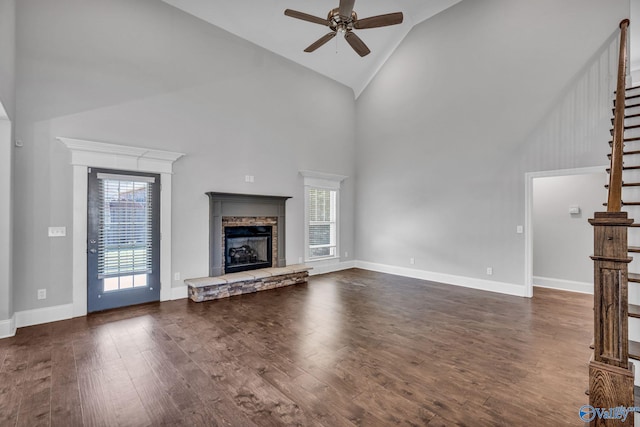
[{"x": 263, "y": 22}]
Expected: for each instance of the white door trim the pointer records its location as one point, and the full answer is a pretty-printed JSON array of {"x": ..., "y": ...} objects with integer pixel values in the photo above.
[
  {"x": 85, "y": 154},
  {"x": 528, "y": 215},
  {"x": 7, "y": 323}
]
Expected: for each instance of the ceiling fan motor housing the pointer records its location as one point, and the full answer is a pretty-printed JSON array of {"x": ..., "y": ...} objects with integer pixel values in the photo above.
[{"x": 339, "y": 23}]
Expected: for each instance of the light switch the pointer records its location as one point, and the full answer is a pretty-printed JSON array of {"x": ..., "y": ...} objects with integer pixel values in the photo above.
[{"x": 574, "y": 210}]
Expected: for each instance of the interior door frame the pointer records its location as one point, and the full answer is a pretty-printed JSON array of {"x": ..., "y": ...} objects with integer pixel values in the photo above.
[
  {"x": 528, "y": 215},
  {"x": 7, "y": 317},
  {"x": 85, "y": 154}
]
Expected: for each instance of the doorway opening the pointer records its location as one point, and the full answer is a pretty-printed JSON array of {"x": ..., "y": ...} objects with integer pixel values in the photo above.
[{"x": 558, "y": 237}]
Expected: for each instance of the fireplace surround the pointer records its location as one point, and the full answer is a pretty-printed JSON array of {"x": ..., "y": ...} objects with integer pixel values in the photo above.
[{"x": 230, "y": 210}]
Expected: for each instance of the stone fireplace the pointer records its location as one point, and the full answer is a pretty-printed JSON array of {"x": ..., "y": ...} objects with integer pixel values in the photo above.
[
  {"x": 246, "y": 232},
  {"x": 246, "y": 248}
]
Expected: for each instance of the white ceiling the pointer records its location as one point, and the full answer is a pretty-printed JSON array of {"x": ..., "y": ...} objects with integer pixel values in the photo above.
[{"x": 263, "y": 22}]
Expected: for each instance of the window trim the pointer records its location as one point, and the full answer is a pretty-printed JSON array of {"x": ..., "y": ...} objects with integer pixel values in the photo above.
[{"x": 323, "y": 181}]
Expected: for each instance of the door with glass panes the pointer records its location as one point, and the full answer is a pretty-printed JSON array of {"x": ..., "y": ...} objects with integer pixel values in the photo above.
[{"x": 123, "y": 239}]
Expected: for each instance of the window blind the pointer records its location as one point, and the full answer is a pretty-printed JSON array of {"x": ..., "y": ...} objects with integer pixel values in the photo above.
[
  {"x": 125, "y": 235},
  {"x": 322, "y": 230}
]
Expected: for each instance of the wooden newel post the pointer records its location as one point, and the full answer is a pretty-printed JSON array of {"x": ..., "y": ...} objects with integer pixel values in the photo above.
[
  {"x": 614, "y": 199},
  {"x": 610, "y": 372}
]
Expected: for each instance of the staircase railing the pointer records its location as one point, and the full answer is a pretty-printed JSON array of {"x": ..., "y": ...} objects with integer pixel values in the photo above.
[
  {"x": 614, "y": 201},
  {"x": 611, "y": 374}
]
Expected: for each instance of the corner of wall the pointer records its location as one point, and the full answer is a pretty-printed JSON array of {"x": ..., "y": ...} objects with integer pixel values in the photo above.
[
  {"x": 8, "y": 327},
  {"x": 179, "y": 292}
]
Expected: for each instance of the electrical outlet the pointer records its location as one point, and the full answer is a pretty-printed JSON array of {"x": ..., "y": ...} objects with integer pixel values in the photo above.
[
  {"x": 176, "y": 276},
  {"x": 299, "y": 260},
  {"x": 346, "y": 254},
  {"x": 412, "y": 261},
  {"x": 249, "y": 178},
  {"x": 42, "y": 294},
  {"x": 489, "y": 271},
  {"x": 519, "y": 229},
  {"x": 57, "y": 231}
]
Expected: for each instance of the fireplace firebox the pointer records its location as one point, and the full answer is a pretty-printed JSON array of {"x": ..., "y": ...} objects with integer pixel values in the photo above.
[{"x": 247, "y": 248}]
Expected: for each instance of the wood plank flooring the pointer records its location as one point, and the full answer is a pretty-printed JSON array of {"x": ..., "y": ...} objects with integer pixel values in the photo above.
[{"x": 349, "y": 348}]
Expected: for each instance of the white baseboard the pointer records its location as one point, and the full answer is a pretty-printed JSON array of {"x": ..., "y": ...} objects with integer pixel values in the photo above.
[
  {"x": 8, "y": 327},
  {"x": 323, "y": 268},
  {"x": 565, "y": 285},
  {"x": 449, "y": 279},
  {"x": 43, "y": 315},
  {"x": 180, "y": 292}
]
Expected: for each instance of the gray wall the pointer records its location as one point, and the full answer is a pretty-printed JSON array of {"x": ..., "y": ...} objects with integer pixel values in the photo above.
[
  {"x": 459, "y": 113},
  {"x": 634, "y": 41},
  {"x": 143, "y": 73},
  {"x": 562, "y": 243},
  {"x": 7, "y": 100},
  {"x": 7, "y": 54},
  {"x": 471, "y": 100}
]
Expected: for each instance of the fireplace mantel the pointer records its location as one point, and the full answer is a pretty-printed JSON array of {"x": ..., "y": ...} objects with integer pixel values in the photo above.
[{"x": 243, "y": 205}]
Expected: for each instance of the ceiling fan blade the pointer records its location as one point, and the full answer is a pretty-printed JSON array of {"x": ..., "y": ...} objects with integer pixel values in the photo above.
[
  {"x": 357, "y": 44},
  {"x": 379, "y": 21},
  {"x": 346, "y": 7},
  {"x": 322, "y": 40},
  {"x": 306, "y": 17}
]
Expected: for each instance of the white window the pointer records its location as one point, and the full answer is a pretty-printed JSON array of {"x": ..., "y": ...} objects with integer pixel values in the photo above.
[
  {"x": 322, "y": 225},
  {"x": 322, "y": 195}
]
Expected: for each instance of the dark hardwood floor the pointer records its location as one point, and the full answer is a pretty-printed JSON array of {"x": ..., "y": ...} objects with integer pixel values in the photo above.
[{"x": 349, "y": 348}]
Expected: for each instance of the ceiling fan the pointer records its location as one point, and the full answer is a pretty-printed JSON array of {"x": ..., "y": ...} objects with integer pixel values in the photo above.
[{"x": 344, "y": 19}]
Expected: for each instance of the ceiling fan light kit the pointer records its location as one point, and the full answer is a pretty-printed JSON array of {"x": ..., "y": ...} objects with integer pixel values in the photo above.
[{"x": 344, "y": 20}]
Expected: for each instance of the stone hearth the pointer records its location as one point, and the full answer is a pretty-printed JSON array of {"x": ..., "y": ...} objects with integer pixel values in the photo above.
[{"x": 212, "y": 288}]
